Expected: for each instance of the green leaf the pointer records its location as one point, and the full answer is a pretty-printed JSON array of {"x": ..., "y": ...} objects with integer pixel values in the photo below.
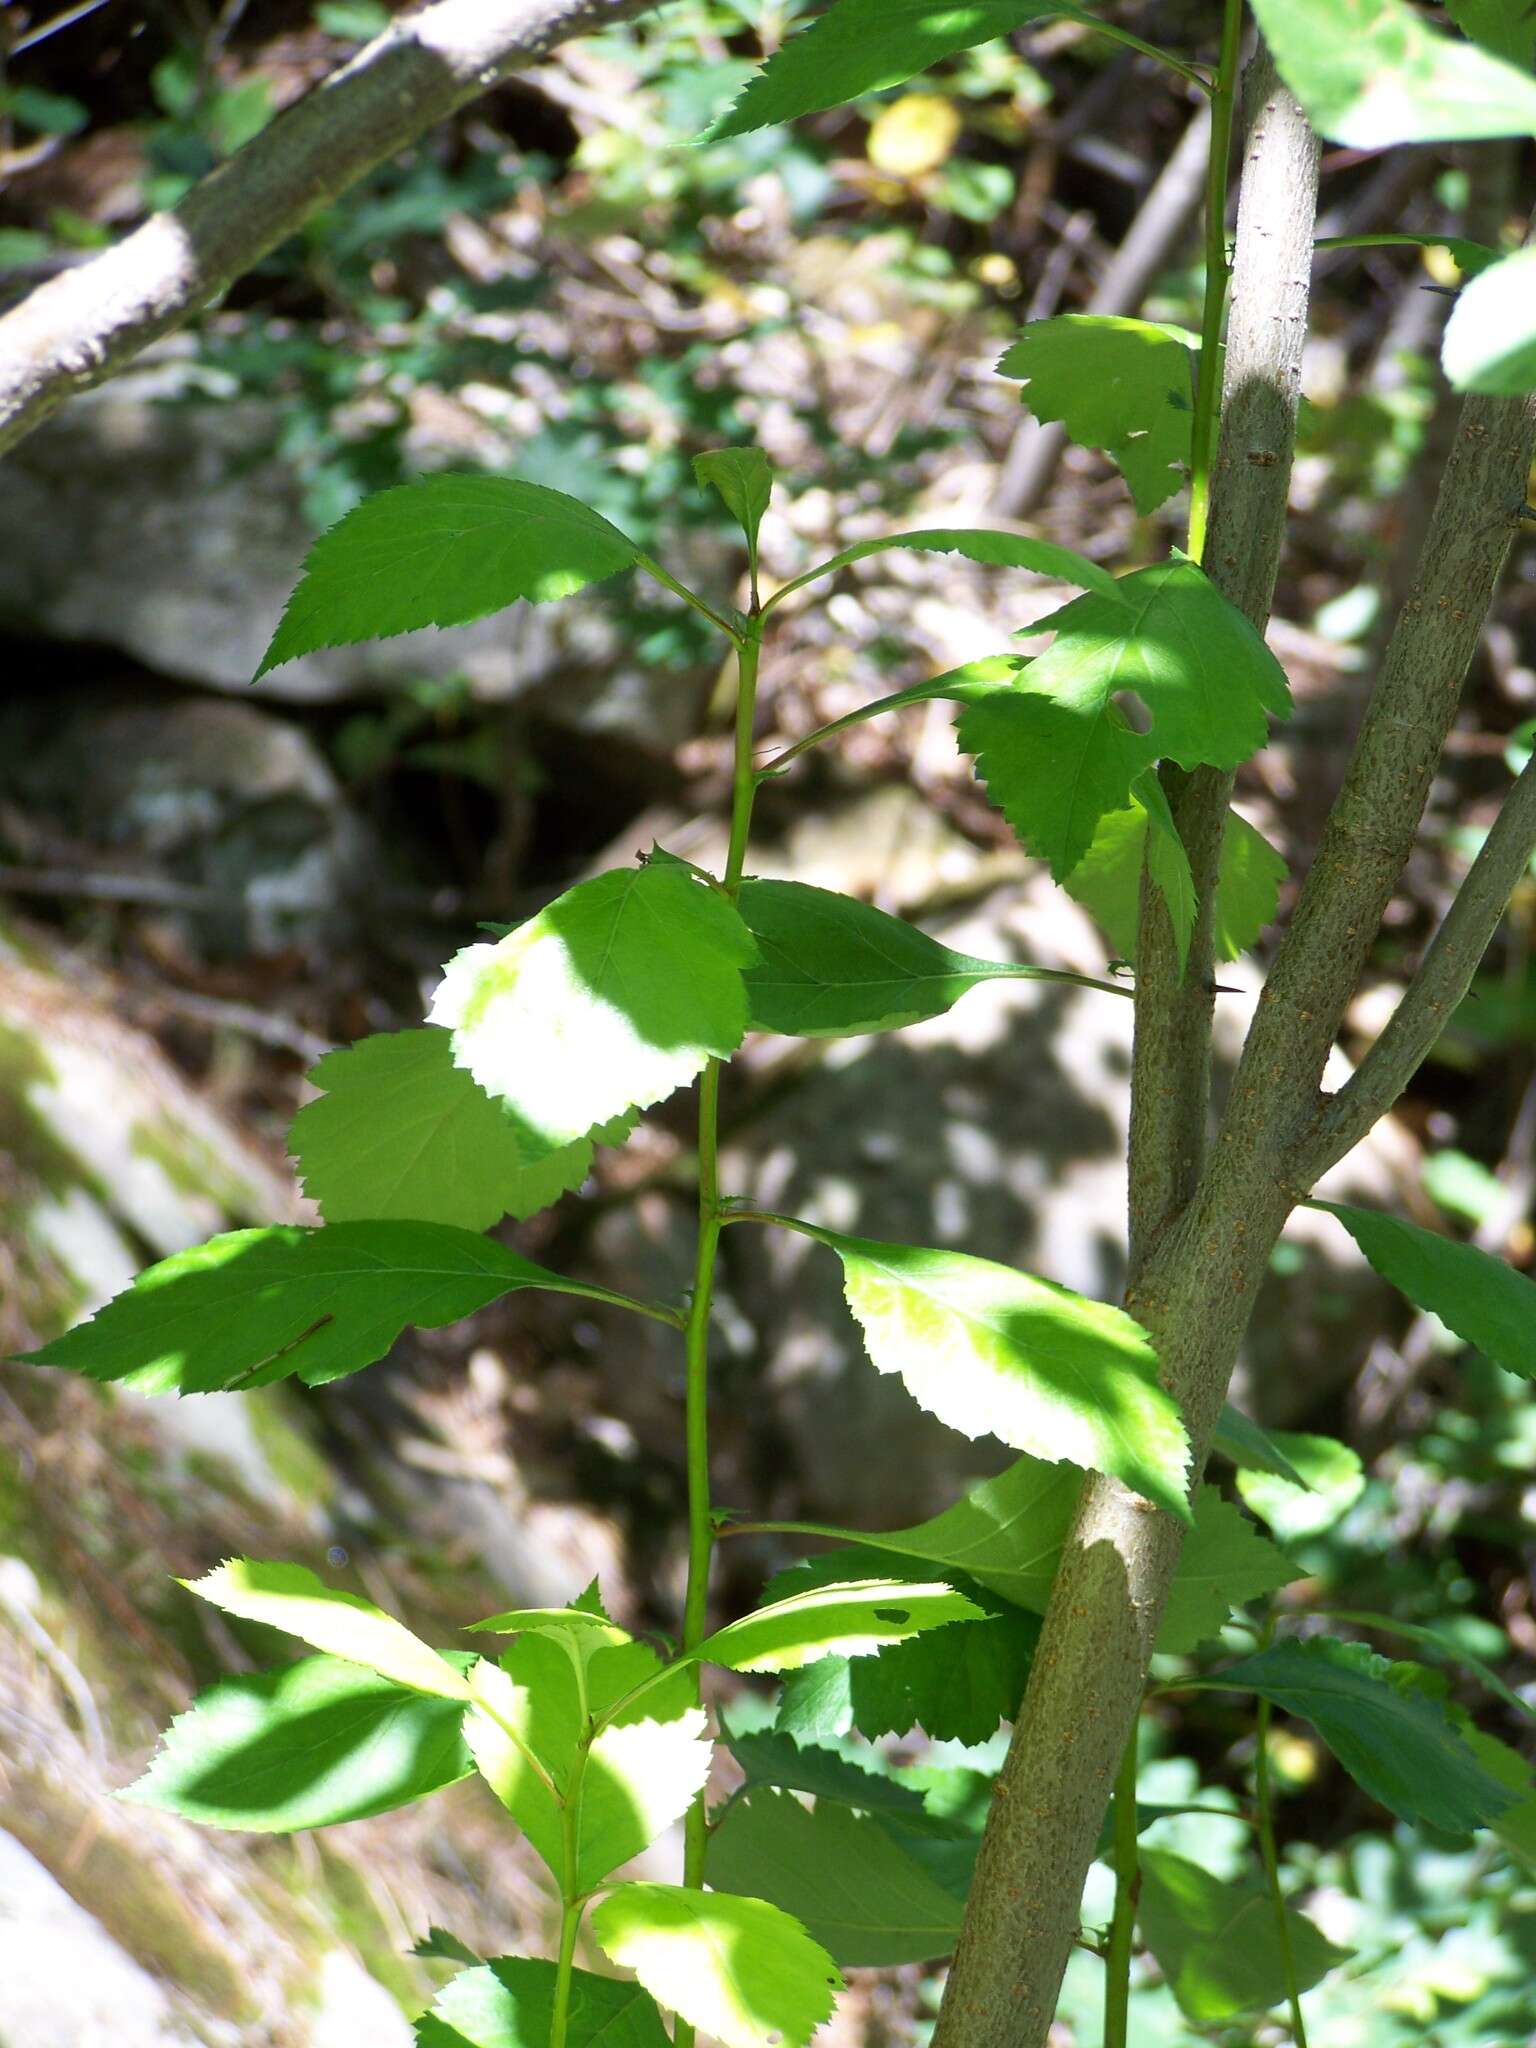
[
  {"x": 510, "y": 2003},
  {"x": 1006, "y": 1534},
  {"x": 768, "y": 1756},
  {"x": 957, "y": 1687},
  {"x": 1126, "y": 386},
  {"x": 321, "y": 1741},
  {"x": 1515, "y": 1827},
  {"x": 738, "y": 1969},
  {"x": 401, "y": 1132},
  {"x": 1252, "y": 1449},
  {"x": 1470, "y": 257},
  {"x": 1216, "y": 1941},
  {"x": 830, "y": 966},
  {"x": 616, "y": 994},
  {"x": 1445, "y": 1648},
  {"x": 744, "y": 479},
  {"x": 292, "y": 1598},
  {"x": 991, "y": 1351},
  {"x": 1327, "y": 1478},
  {"x": 1507, "y": 28},
  {"x": 1371, "y": 73},
  {"x": 976, "y": 544},
  {"x": 861, "y": 46},
  {"x": 1490, "y": 338},
  {"x": 852, "y": 1619},
  {"x": 1057, "y": 752},
  {"x": 839, "y": 1873},
  {"x": 442, "y": 552},
  {"x": 1225, "y": 1563},
  {"x": 253, "y": 1306},
  {"x": 1394, "y": 1740},
  {"x": 1486, "y": 1302},
  {"x": 640, "y": 1773},
  {"x": 1107, "y": 880}
]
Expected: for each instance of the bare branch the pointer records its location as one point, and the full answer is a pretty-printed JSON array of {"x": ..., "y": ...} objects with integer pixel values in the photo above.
[
  {"x": 1170, "y": 1088},
  {"x": 1443, "y": 979},
  {"x": 80, "y": 328}
]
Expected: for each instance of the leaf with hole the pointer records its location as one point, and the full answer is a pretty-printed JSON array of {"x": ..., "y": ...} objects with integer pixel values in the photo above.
[
  {"x": 510, "y": 2003},
  {"x": 294, "y": 1599},
  {"x": 843, "y": 1619},
  {"x": 738, "y": 1969},
  {"x": 1483, "y": 1299},
  {"x": 1057, "y": 751},
  {"x": 830, "y": 966},
  {"x": 861, "y": 46},
  {"x": 1126, "y": 386},
  {"x": 1490, "y": 338},
  {"x": 992, "y": 1351},
  {"x": 616, "y": 994},
  {"x": 320, "y": 1741},
  {"x": 443, "y": 552},
  {"x": 402, "y": 1132},
  {"x": 1216, "y": 1941},
  {"x": 254, "y": 1306},
  {"x": 1393, "y": 1738},
  {"x": 840, "y": 1873},
  {"x": 1371, "y": 73}
]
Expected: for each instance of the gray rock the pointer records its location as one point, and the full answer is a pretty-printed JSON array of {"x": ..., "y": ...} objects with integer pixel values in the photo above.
[{"x": 170, "y": 530}]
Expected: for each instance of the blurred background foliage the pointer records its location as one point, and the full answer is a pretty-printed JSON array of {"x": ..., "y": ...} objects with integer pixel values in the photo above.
[{"x": 201, "y": 888}]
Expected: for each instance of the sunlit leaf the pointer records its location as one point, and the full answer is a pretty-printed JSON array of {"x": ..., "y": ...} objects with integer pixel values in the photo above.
[
  {"x": 847, "y": 1620},
  {"x": 318, "y": 1742},
  {"x": 400, "y": 1131},
  {"x": 1126, "y": 386},
  {"x": 1371, "y": 73},
  {"x": 294, "y": 1599},
  {"x": 1483, "y": 1299},
  {"x": 1216, "y": 1941},
  {"x": 1327, "y": 1479},
  {"x": 1490, "y": 338},
  {"x": 640, "y": 1774},
  {"x": 254, "y": 1306},
  {"x": 992, "y": 1351},
  {"x": 738, "y": 1969},
  {"x": 616, "y": 994},
  {"x": 957, "y": 1687},
  {"x": 442, "y": 552},
  {"x": 1057, "y": 751}
]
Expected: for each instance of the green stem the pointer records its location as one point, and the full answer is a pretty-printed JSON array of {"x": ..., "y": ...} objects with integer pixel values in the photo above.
[
  {"x": 653, "y": 569},
  {"x": 701, "y": 1532},
  {"x": 1117, "y": 1955},
  {"x": 1262, "y": 1799},
  {"x": 1217, "y": 271},
  {"x": 571, "y": 1901},
  {"x": 570, "y": 1922}
]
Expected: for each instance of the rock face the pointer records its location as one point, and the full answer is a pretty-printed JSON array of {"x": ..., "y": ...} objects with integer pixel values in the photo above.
[
  {"x": 233, "y": 814},
  {"x": 186, "y": 536}
]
